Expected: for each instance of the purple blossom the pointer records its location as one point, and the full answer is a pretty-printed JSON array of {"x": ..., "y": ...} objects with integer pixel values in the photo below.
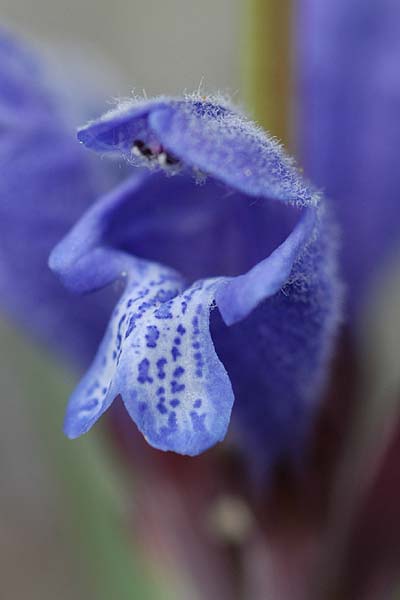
[
  {"x": 221, "y": 260},
  {"x": 224, "y": 253},
  {"x": 227, "y": 257}
]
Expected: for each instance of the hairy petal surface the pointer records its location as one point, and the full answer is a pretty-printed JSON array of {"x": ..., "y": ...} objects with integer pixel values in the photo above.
[
  {"x": 349, "y": 86},
  {"x": 276, "y": 303},
  {"x": 253, "y": 240},
  {"x": 206, "y": 136}
]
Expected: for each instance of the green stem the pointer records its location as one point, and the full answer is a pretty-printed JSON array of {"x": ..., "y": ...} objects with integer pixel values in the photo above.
[{"x": 267, "y": 66}]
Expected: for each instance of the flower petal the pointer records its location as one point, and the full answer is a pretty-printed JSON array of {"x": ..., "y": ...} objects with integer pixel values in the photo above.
[
  {"x": 349, "y": 98},
  {"x": 205, "y": 136},
  {"x": 283, "y": 312},
  {"x": 233, "y": 150},
  {"x": 183, "y": 398},
  {"x": 277, "y": 357},
  {"x": 116, "y": 130},
  {"x": 159, "y": 356},
  {"x": 157, "y": 352},
  {"x": 145, "y": 357},
  {"x": 46, "y": 183},
  {"x": 238, "y": 297}
]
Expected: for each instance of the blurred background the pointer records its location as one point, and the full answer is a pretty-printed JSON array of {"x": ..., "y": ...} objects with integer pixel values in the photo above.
[
  {"x": 70, "y": 522},
  {"x": 163, "y": 47},
  {"x": 59, "y": 511}
]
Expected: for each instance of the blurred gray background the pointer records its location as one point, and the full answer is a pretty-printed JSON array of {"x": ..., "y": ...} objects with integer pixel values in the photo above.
[{"x": 162, "y": 47}]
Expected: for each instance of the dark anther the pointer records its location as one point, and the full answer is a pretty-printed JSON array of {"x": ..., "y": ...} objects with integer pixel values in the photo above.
[
  {"x": 164, "y": 159},
  {"x": 171, "y": 160},
  {"x": 142, "y": 149}
]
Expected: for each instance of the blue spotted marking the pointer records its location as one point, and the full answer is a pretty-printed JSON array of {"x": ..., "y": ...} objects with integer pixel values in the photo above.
[
  {"x": 164, "y": 296},
  {"x": 167, "y": 365},
  {"x": 162, "y": 408},
  {"x": 132, "y": 324},
  {"x": 177, "y": 387},
  {"x": 152, "y": 336},
  {"x": 179, "y": 371},
  {"x": 175, "y": 353},
  {"x": 141, "y": 294},
  {"x": 119, "y": 337},
  {"x": 90, "y": 404},
  {"x": 144, "y": 306},
  {"x": 95, "y": 385},
  {"x": 143, "y": 369},
  {"x": 198, "y": 421},
  {"x": 120, "y": 322},
  {"x": 195, "y": 323},
  {"x": 164, "y": 312},
  {"x": 172, "y": 425},
  {"x": 160, "y": 366}
]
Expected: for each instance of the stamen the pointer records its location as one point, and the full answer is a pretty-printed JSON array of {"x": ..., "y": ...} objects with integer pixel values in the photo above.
[
  {"x": 139, "y": 148},
  {"x": 157, "y": 153},
  {"x": 162, "y": 159},
  {"x": 171, "y": 160},
  {"x": 135, "y": 150}
]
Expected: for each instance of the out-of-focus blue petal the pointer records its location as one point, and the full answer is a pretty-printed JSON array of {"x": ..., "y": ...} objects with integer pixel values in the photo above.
[
  {"x": 258, "y": 248},
  {"x": 349, "y": 55},
  {"x": 46, "y": 182}
]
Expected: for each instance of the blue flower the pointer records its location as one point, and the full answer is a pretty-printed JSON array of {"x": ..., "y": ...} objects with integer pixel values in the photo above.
[{"x": 227, "y": 257}]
